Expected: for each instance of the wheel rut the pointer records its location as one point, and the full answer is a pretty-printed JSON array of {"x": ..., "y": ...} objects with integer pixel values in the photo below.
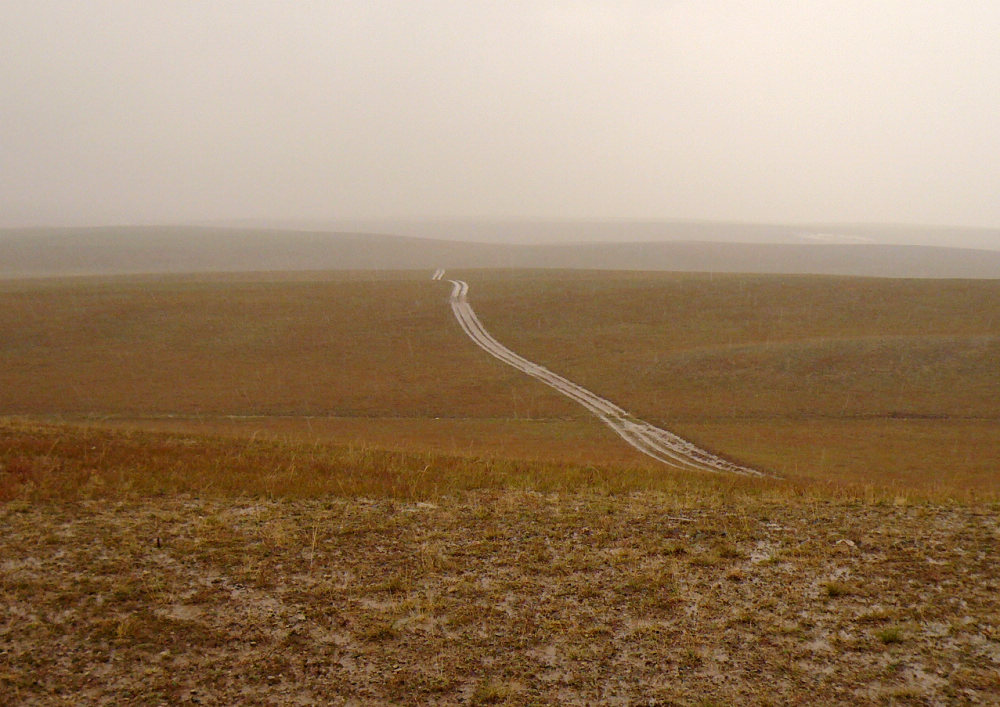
[{"x": 660, "y": 444}]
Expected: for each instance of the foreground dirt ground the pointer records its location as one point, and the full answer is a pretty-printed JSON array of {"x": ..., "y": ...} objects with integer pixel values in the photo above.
[{"x": 498, "y": 597}]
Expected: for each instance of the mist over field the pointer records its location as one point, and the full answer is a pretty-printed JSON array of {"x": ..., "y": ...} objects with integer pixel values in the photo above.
[
  {"x": 574, "y": 231},
  {"x": 521, "y": 121},
  {"x": 723, "y": 248}
]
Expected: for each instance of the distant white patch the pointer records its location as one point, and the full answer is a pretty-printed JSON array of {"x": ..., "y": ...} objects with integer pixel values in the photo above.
[{"x": 834, "y": 238}]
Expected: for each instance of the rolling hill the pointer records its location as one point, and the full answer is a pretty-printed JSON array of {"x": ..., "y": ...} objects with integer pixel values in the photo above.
[{"x": 130, "y": 250}]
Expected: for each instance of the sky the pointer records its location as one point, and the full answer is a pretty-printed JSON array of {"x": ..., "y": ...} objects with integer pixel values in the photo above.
[{"x": 173, "y": 111}]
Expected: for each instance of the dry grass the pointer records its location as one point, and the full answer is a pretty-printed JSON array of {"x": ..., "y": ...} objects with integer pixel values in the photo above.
[
  {"x": 940, "y": 459},
  {"x": 512, "y": 552},
  {"x": 43, "y": 463},
  {"x": 814, "y": 377},
  {"x": 571, "y": 441},
  {"x": 190, "y": 347},
  {"x": 498, "y": 596},
  {"x": 849, "y": 380}
]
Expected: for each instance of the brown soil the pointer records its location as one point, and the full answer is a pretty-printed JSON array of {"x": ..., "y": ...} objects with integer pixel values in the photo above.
[{"x": 503, "y": 596}]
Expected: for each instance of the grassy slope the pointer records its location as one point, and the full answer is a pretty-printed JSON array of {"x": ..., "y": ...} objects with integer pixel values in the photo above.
[
  {"x": 334, "y": 347},
  {"x": 840, "y": 378},
  {"x": 814, "y": 377},
  {"x": 376, "y": 360},
  {"x": 82, "y": 251},
  {"x": 146, "y": 567},
  {"x": 143, "y": 567},
  {"x": 46, "y": 462}
]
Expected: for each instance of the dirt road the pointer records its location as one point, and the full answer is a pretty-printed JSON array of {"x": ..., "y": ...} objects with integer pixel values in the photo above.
[{"x": 657, "y": 443}]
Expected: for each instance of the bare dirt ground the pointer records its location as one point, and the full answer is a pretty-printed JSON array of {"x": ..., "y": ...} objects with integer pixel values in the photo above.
[{"x": 498, "y": 597}]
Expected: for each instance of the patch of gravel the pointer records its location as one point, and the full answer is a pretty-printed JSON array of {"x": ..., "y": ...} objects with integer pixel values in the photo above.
[{"x": 500, "y": 597}]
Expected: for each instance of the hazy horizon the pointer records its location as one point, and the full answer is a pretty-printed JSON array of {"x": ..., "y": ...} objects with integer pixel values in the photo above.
[
  {"x": 554, "y": 231},
  {"x": 269, "y": 112}
]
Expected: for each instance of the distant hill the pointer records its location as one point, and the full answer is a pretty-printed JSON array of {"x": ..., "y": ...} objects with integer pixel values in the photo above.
[
  {"x": 129, "y": 250},
  {"x": 542, "y": 231}
]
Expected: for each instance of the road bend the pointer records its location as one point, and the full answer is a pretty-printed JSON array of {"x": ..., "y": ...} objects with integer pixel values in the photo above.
[{"x": 652, "y": 441}]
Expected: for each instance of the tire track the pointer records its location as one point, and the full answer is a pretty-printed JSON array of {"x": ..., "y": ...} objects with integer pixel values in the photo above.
[{"x": 652, "y": 441}]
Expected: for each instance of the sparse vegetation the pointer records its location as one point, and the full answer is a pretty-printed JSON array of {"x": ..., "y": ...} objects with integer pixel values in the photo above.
[
  {"x": 44, "y": 462},
  {"x": 831, "y": 378},
  {"x": 536, "y": 597},
  {"x": 850, "y": 381},
  {"x": 294, "y": 559},
  {"x": 836, "y": 588},
  {"x": 890, "y": 634}
]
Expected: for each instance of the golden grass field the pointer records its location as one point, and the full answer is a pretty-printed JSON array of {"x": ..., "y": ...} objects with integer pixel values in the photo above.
[
  {"x": 313, "y": 489},
  {"x": 847, "y": 379},
  {"x": 850, "y": 380}
]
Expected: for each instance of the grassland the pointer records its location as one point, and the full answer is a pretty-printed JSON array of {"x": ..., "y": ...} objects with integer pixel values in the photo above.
[
  {"x": 311, "y": 489},
  {"x": 848, "y": 379},
  {"x": 364, "y": 360},
  {"x": 149, "y": 567},
  {"x": 836, "y": 378},
  {"x": 332, "y": 347}
]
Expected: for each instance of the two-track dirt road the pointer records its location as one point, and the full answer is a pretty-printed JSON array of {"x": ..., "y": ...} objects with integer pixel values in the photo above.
[{"x": 657, "y": 443}]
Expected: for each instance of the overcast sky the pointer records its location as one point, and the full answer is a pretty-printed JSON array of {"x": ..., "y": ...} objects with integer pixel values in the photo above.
[{"x": 778, "y": 111}]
